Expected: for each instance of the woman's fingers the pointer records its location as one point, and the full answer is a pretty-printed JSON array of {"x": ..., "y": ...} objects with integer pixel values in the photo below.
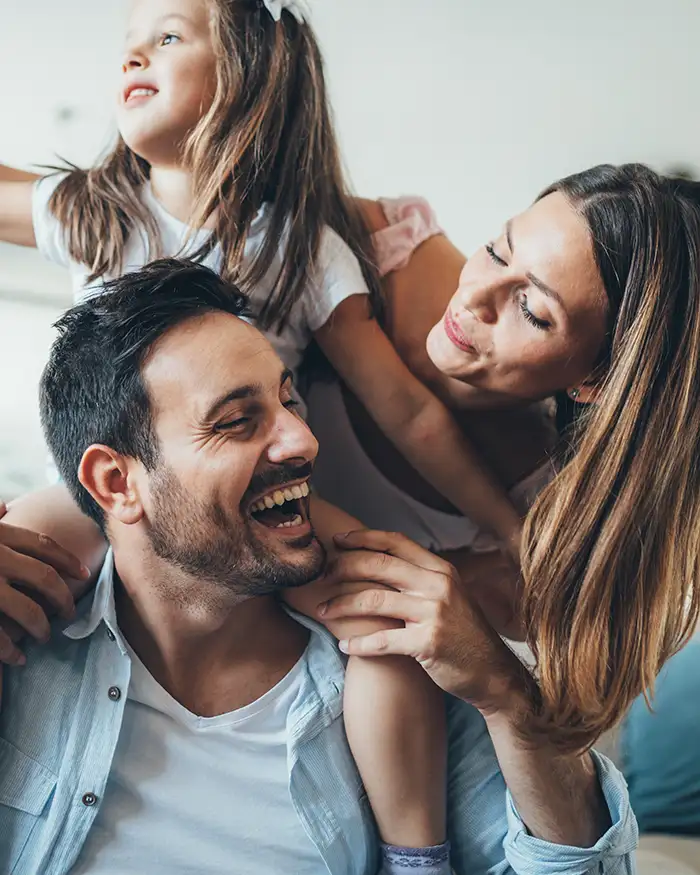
[
  {"x": 388, "y": 642},
  {"x": 366, "y": 565},
  {"x": 376, "y": 603},
  {"x": 43, "y": 549},
  {"x": 37, "y": 576},
  {"x": 394, "y": 544},
  {"x": 24, "y": 611}
]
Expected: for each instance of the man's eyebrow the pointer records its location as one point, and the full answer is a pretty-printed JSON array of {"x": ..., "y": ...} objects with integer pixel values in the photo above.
[
  {"x": 251, "y": 390},
  {"x": 538, "y": 283},
  {"x": 240, "y": 392}
]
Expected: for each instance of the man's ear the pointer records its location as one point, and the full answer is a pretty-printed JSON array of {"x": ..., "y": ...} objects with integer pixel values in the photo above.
[{"x": 110, "y": 480}]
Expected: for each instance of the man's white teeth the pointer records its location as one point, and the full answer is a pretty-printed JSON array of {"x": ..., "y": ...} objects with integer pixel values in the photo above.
[
  {"x": 280, "y": 496},
  {"x": 296, "y": 521},
  {"x": 142, "y": 92}
]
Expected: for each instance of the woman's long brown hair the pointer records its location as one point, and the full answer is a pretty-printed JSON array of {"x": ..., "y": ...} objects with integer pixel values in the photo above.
[
  {"x": 268, "y": 138},
  {"x": 611, "y": 561}
]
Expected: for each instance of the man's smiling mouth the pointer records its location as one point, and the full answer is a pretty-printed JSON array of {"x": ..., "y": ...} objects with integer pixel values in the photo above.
[{"x": 284, "y": 507}]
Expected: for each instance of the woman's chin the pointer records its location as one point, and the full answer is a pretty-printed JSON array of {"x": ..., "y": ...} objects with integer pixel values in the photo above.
[{"x": 449, "y": 360}]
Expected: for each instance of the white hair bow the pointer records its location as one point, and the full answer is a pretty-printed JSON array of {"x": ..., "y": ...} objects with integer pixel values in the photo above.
[{"x": 296, "y": 7}]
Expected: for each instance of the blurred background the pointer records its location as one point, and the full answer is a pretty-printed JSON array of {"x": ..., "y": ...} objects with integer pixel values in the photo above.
[{"x": 476, "y": 106}]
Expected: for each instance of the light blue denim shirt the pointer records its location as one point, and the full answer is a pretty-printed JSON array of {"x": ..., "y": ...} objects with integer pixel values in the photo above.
[{"x": 60, "y": 724}]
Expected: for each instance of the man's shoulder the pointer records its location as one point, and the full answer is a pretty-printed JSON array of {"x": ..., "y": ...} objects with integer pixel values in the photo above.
[{"x": 38, "y": 695}]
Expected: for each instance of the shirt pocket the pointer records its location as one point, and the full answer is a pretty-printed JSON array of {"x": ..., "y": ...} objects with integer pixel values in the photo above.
[{"x": 26, "y": 787}]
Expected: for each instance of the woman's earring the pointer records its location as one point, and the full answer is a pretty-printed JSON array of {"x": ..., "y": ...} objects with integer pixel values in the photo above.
[{"x": 574, "y": 393}]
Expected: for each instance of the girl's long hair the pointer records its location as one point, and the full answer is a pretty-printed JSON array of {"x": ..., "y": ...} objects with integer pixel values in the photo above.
[
  {"x": 611, "y": 561},
  {"x": 268, "y": 138}
]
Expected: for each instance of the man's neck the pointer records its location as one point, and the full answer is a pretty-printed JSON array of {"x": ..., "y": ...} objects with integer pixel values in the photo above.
[{"x": 214, "y": 651}]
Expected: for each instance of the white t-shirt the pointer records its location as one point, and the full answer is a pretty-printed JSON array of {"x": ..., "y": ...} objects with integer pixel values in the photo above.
[
  {"x": 192, "y": 795},
  {"x": 337, "y": 277}
]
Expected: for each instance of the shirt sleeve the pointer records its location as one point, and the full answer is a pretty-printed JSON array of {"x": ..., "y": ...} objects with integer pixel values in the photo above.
[
  {"x": 613, "y": 854},
  {"x": 486, "y": 833},
  {"x": 338, "y": 276},
  {"x": 50, "y": 234}
]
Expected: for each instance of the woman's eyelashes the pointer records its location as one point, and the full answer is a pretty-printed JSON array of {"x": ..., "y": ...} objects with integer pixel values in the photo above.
[
  {"x": 541, "y": 324},
  {"x": 494, "y": 257},
  {"x": 528, "y": 315}
]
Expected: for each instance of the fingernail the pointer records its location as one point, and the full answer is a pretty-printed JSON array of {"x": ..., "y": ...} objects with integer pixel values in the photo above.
[
  {"x": 85, "y": 571},
  {"x": 343, "y": 646},
  {"x": 21, "y": 659},
  {"x": 322, "y": 609},
  {"x": 342, "y": 536}
]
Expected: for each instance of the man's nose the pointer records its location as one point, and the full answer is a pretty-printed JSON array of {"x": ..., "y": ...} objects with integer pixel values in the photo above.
[{"x": 292, "y": 439}]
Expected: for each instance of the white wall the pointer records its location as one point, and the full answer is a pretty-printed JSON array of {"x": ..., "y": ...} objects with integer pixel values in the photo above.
[{"x": 476, "y": 105}]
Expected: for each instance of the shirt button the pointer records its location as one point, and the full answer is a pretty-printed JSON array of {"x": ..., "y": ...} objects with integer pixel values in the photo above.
[
  {"x": 114, "y": 694},
  {"x": 110, "y": 634},
  {"x": 89, "y": 799}
]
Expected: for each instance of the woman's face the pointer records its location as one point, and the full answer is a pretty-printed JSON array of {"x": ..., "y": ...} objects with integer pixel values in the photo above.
[{"x": 529, "y": 317}]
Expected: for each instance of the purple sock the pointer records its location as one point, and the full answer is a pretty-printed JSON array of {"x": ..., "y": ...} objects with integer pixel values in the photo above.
[{"x": 416, "y": 861}]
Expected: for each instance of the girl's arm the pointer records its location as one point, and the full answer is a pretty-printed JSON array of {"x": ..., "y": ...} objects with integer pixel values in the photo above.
[
  {"x": 414, "y": 419},
  {"x": 16, "y": 224},
  {"x": 394, "y": 716}
]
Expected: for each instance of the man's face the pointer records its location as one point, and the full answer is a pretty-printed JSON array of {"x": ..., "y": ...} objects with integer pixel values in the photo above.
[{"x": 228, "y": 500}]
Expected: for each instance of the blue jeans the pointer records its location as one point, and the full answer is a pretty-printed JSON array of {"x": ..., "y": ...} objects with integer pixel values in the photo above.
[{"x": 661, "y": 750}]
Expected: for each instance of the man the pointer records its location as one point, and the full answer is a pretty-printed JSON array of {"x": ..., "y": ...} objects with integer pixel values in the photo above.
[{"x": 185, "y": 722}]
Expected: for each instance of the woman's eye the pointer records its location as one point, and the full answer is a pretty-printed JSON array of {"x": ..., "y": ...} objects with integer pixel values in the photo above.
[
  {"x": 495, "y": 258},
  {"x": 168, "y": 38},
  {"x": 541, "y": 324},
  {"x": 291, "y": 404}
]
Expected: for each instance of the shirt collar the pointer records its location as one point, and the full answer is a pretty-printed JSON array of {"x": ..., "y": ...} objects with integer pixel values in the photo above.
[
  {"x": 98, "y": 609},
  {"x": 327, "y": 664}
]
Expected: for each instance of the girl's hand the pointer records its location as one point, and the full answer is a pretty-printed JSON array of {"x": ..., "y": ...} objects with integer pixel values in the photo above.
[
  {"x": 445, "y": 630},
  {"x": 31, "y": 583}
]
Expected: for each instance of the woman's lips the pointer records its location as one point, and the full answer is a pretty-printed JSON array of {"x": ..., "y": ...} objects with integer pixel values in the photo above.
[{"x": 456, "y": 335}]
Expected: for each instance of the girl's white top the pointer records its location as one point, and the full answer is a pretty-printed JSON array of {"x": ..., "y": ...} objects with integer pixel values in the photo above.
[{"x": 337, "y": 276}]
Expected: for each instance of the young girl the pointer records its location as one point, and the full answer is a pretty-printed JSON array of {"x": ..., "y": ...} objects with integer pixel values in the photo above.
[{"x": 226, "y": 153}]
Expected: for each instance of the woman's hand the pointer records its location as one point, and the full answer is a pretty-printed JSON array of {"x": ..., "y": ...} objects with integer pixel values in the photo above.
[
  {"x": 32, "y": 567},
  {"x": 445, "y": 630}
]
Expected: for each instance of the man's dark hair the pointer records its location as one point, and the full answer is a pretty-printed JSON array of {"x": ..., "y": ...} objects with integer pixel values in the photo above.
[{"x": 92, "y": 391}]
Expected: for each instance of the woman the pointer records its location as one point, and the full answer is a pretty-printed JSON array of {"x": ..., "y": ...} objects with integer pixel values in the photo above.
[{"x": 594, "y": 292}]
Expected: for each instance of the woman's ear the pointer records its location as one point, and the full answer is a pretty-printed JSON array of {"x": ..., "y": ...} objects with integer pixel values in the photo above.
[
  {"x": 584, "y": 394},
  {"x": 108, "y": 478}
]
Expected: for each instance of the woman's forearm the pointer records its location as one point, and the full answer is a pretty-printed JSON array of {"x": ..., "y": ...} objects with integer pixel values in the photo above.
[{"x": 558, "y": 797}]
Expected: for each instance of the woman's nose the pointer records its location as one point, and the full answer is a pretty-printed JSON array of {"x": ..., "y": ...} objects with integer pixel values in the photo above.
[{"x": 482, "y": 301}]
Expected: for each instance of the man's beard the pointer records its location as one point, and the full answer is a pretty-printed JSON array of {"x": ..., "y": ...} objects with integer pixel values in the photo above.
[{"x": 203, "y": 541}]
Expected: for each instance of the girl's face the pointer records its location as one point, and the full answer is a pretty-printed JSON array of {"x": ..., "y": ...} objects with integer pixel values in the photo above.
[
  {"x": 530, "y": 315},
  {"x": 168, "y": 76}
]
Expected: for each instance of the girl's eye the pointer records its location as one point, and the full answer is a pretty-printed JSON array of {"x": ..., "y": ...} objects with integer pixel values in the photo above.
[
  {"x": 495, "y": 258},
  {"x": 540, "y": 324},
  {"x": 167, "y": 39},
  {"x": 291, "y": 404}
]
